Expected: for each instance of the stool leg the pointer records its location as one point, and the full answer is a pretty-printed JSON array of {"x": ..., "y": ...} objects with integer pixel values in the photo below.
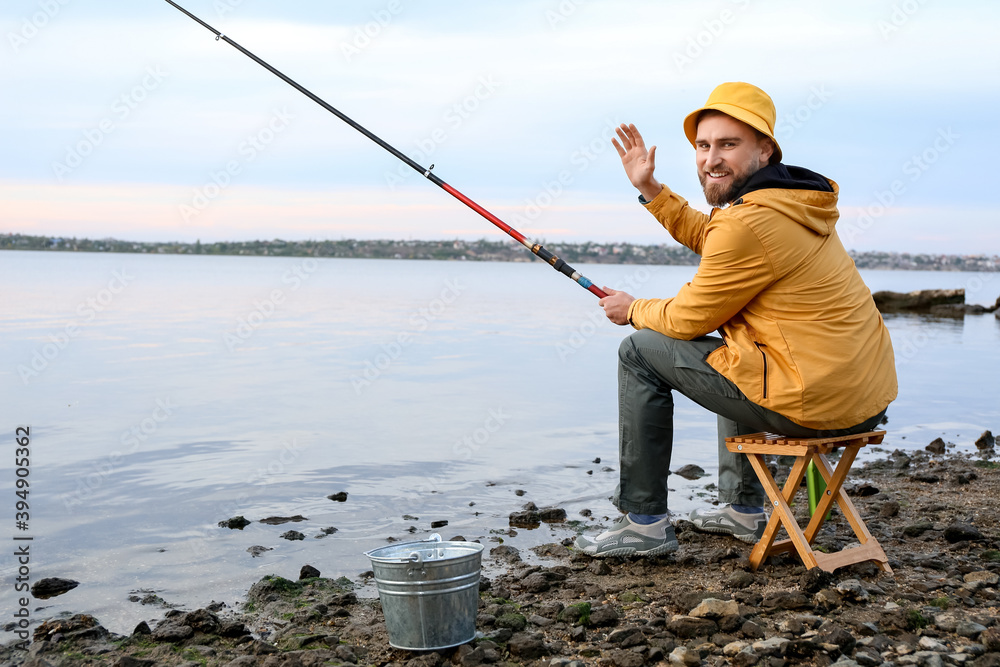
[
  {"x": 870, "y": 548},
  {"x": 781, "y": 512}
]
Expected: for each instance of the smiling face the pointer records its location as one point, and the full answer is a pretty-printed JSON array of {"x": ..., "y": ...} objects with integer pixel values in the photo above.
[{"x": 727, "y": 153}]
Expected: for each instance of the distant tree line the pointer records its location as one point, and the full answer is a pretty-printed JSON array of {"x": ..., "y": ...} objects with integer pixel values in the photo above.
[{"x": 481, "y": 250}]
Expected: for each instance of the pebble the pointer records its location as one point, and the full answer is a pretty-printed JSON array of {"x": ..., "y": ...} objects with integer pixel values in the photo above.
[
  {"x": 715, "y": 609},
  {"x": 936, "y": 446},
  {"x": 682, "y": 655},
  {"x": 770, "y": 646},
  {"x": 959, "y": 532},
  {"x": 982, "y": 578},
  {"x": 278, "y": 520},
  {"x": 50, "y": 587},
  {"x": 690, "y": 471},
  {"x": 931, "y": 644},
  {"x": 853, "y": 590},
  {"x": 986, "y": 440}
]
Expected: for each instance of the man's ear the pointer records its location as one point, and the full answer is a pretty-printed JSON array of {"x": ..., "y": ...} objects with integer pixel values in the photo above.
[{"x": 766, "y": 150}]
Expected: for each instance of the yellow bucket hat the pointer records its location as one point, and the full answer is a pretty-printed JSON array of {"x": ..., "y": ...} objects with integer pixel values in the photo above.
[{"x": 743, "y": 102}]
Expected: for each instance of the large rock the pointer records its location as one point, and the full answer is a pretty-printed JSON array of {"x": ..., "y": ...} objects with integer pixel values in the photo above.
[{"x": 920, "y": 300}]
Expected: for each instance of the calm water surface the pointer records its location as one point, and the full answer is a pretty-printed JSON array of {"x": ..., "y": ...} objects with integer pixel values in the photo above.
[{"x": 167, "y": 393}]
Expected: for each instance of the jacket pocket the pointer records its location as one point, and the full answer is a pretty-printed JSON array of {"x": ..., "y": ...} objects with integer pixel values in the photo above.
[{"x": 763, "y": 383}]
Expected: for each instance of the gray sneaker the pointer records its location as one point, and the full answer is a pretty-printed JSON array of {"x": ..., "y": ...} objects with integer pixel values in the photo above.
[
  {"x": 745, "y": 527},
  {"x": 625, "y": 538}
]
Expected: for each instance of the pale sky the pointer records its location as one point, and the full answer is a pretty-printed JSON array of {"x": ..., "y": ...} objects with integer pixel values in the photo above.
[{"x": 130, "y": 120}]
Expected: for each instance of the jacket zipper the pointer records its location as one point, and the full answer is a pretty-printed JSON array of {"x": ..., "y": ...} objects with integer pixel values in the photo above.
[{"x": 764, "y": 357}]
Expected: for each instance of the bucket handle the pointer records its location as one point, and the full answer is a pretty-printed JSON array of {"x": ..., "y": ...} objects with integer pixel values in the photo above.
[{"x": 416, "y": 556}]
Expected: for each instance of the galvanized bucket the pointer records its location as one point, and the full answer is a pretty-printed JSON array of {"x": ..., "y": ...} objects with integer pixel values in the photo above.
[{"x": 429, "y": 592}]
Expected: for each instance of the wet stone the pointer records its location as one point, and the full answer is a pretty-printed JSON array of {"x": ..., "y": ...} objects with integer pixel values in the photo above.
[
  {"x": 889, "y": 509},
  {"x": 714, "y": 609},
  {"x": 527, "y": 646},
  {"x": 293, "y": 535},
  {"x": 308, "y": 572},
  {"x": 50, "y": 587},
  {"x": 740, "y": 579},
  {"x": 235, "y": 523},
  {"x": 688, "y": 627},
  {"x": 339, "y": 497},
  {"x": 525, "y": 519},
  {"x": 752, "y": 630},
  {"x": 917, "y": 529},
  {"x": 278, "y": 520},
  {"x": 682, "y": 655},
  {"x": 599, "y": 568},
  {"x": 536, "y": 583},
  {"x": 626, "y": 637},
  {"x": 506, "y": 553},
  {"x": 986, "y": 440},
  {"x": 831, "y": 633},
  {"x": 552, "y": 514},
  {"x": 862, "y": 490},
  {"x": 171, "y": 631},
  {"x": 778, "y": 600},
  {"x": 815, "y": 579},
  {"x": 603, "y": 616},
  {"x": 936, "y": 446},
  {"x": 959, "y": 532},
  {"x": 690, "y": 471},
  {"x": 981, "y": 578}
]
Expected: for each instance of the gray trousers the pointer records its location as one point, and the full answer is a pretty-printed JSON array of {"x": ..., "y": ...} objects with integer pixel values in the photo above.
[{"x": 650, "y": 365}]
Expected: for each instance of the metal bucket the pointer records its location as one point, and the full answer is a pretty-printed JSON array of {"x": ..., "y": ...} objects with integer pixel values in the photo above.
[{"x": 429, "y": 592}]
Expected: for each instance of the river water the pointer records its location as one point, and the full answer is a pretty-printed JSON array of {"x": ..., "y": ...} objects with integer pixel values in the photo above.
[{"x": 166, "y": 393}]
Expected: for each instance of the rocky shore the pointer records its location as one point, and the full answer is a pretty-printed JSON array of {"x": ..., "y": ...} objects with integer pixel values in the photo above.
[{"x": 933, "y": 511}]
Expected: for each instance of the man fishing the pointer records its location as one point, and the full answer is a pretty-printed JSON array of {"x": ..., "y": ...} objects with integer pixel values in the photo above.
[{"x": 801, "y": 349}]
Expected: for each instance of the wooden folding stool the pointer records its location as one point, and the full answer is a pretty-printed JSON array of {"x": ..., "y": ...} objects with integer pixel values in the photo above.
[{"x": 756, "y": 445}]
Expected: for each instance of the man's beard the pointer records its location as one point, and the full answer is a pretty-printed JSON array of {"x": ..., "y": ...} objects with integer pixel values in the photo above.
[{"x": 719, "y": 195}]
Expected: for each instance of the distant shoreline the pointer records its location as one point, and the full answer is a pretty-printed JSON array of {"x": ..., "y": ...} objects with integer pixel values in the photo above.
[{"x": 481, "y": 250}]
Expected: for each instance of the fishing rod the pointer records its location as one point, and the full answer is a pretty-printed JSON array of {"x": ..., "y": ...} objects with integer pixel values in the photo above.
[{"x": 536, "y": 248}]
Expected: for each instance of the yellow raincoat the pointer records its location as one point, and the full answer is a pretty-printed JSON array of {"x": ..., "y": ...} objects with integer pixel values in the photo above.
[{"x": 802, "y": 335}]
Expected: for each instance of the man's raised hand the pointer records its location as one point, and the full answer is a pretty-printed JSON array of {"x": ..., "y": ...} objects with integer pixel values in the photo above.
[{"x": 637, "y": 161}]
